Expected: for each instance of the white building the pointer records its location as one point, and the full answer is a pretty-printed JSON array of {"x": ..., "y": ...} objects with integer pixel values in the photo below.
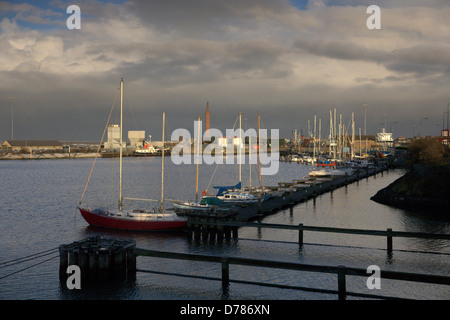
[
  {"x": 136, "y": 138},
  {"x": 385, "y": 139},
  {"x": 113, "y": 142}
]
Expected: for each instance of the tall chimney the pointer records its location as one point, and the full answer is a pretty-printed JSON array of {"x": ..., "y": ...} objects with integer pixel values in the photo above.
[{"x": 207, "y": 117}]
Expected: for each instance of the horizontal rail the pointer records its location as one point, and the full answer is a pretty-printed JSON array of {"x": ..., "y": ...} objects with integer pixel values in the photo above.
[
  {"x": 141, "y": 199},
  {"x": 332, "y": 230},
  {"x": 340, "y": 271}
]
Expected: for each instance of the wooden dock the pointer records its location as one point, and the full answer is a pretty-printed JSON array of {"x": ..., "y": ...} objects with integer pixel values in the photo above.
[{"x": 296, "y": 191}]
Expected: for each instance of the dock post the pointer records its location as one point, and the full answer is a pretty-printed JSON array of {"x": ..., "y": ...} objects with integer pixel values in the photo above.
[
  {"x": 205, "y": 228},
  {"x": 213, "y": 230},
  {"x": 189, "y": 228},
  {"x": 131, "y": 260},
  {"x": 227, "y": 230},
  {"x": 220, "y": 232},
  {"x": 197, "y": 228},
  {"x": 93, "y": 262},
  {"x": 83, "y": 261},
  {"x": 63, "y": 261},
  {"x": 291, "y": 194},
  {"x": 389, "y": 240},
  {"x": 235, "y": 230},
  {"x": 73, "y": 256},
  {"x": 341, "y": 283},
  {"x": 118, "y": 261},
  {"x": 300, "y": 234},
  {"x": 225, "y": 274},
  {"x": 259, "y": 202},
  {"x": 102, "y": 264}
]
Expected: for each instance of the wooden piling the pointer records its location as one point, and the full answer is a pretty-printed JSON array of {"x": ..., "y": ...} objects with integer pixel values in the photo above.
[
  {"x": 131, "y": 260},
  {"x": 300, "y": 234},
  {"x": 341, "y": 283},
  {"x": 389, "y": 240},
  {"x": 98, "y": 258},
  {"x": 225, "y": 273},
  {"x": 63, "y": 261}
]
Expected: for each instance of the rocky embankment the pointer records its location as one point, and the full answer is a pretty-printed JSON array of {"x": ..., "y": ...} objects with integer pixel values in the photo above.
[{"x": 425, "y": 190}]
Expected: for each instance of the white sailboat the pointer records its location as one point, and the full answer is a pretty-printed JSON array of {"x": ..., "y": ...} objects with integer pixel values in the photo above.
[{"x": 139, "y": 220}]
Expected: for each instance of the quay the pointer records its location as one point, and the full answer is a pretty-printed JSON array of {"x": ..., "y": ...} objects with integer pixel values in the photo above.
[{"x": 201, "y": 224}]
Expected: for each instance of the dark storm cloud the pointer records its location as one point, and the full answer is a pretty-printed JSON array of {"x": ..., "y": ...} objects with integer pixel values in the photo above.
[
  {"x": 199, "y": 18},
  {"x": 203, "y": 61},
  {"x": 421, "y": 60},
  {"x": 255, "y": 56}
]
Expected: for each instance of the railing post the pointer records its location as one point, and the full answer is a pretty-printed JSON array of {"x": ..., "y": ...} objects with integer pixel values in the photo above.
[
  {"x": 300, "y": 234},
  {"x": 225, "y": 276},
  {"x": 389, "y": 240},
  {"x": 291, "y": 194},
  {"x": 341, "y": 283},
  {"x": 131, "y": 260}
]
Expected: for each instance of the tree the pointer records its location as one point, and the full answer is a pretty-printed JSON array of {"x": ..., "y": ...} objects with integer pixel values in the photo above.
[{"x": 428, "y": 152}]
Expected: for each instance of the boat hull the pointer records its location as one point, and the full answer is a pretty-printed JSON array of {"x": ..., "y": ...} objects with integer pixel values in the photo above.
[
  {"x": 120, "y": 223},
  {"x": 183, "y": 208}
]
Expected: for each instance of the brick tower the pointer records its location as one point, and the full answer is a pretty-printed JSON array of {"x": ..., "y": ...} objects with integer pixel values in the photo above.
[{"x": 207, "y": 117}]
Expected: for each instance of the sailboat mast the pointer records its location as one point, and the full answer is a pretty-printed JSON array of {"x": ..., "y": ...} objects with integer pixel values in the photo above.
[
  {"x": 259, "y": 149},
  {"x": 314, "y": 141},
  {"x": 353, "y": 135},
  {"x": 120, "y": 148},
  {"x": 331, "y": 135},
  {"x": 239, "y": 146},
  {"x": 162, "y": 165},
  {"x": 198, "y": 159}
]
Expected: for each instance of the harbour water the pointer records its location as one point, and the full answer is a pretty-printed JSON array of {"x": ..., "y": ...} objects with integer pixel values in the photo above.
[{"x": 38, "y": 212}]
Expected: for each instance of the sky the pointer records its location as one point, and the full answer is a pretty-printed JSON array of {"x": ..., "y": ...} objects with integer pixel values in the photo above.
[{"x": 289, "y": 61}]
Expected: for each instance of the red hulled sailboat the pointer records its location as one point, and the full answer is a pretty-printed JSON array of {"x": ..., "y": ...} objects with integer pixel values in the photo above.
[{"x": 156, "y": 219}]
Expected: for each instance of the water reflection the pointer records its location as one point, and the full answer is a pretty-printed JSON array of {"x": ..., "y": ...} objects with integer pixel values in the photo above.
[{"x": 46, "y": 220}]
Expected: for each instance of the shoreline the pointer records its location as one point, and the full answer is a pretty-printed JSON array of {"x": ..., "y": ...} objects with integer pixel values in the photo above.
[
  {"x": 412, "y": 192},
  {"x": 50, "y": 156}
]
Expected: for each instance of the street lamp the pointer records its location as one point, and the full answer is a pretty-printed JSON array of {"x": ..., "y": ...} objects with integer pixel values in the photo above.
[
  {"x": 420, "y": 125},
  {"x": 448, "y": 114},
  {"x": 12, "y": 116}
]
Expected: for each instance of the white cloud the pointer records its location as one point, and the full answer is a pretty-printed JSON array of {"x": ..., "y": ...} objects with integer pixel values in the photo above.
[{"x": 253, "y": 54}]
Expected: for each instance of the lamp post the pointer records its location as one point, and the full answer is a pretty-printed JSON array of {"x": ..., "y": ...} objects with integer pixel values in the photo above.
[
  {"x": 448, "y": 114},
  {"x": 12, "y": 116},
  {"x": 365, "y": 111},
  {"x": 420, "y": 125}
]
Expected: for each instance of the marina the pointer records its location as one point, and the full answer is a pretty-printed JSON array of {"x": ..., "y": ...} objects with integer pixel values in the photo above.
[
  {"x": 222, "y": 159},
  {"x": 347, "y": 206}
]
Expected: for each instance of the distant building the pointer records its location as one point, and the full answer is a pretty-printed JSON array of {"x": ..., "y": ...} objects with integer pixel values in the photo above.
[
  {"x": 113, "y": 142},
  {"x": 136, "y": 138},
  {"x": 385, "y": 139},
  {"x": 445, "y": 137},
  {"x": 31, "y": 145},
  {"x": 365, "y": 143},
  {"x": 230, "y": 141}
]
